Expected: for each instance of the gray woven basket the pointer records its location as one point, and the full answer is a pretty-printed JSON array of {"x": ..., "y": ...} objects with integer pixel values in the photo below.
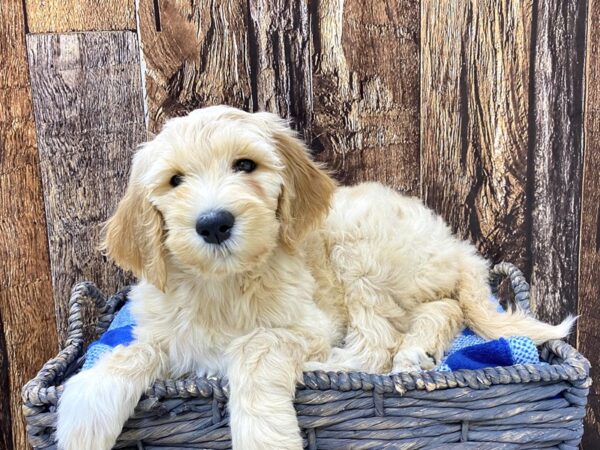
[{"x": 522, "y": 406}]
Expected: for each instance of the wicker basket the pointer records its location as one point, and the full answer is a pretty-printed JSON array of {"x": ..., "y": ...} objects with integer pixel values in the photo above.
[{"x": 522, "y": 406}]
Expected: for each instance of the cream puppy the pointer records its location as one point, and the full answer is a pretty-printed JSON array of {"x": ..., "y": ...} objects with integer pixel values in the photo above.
[{"x": 254, "y": 266}]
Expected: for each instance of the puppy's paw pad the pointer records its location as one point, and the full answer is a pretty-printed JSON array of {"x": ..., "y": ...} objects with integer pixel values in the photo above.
[{"x": 412, "y": 359}]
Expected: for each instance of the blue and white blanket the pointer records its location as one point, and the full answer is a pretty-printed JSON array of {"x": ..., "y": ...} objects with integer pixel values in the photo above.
[{"x": 468, "y": 351}]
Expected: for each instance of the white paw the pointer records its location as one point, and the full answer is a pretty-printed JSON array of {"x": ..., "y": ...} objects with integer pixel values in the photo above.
[
  {"x": 339, "y": 360},
  {"x": 273, "y": 429},
  {"x": 313, "y": 366},
  {"x": 204, "y": 372},
  {"x": 91, "y": 411},
  {"x": 412, "y": 359}
]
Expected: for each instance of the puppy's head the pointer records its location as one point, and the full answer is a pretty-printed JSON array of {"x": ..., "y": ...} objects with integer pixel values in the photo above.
[{"x": 215, "y": 193}]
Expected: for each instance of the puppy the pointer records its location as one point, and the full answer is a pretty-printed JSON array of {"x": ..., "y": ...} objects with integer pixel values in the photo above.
[{"x": 254, "y": 265}]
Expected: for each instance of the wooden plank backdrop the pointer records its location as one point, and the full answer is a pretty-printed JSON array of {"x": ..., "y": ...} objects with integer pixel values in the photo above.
[
  {"x": 89, "y": 117},
  {"x": 474, "y": 97},
  {"x": 556, "y": 155},
  {"x": 26, "y": 307},
  {"x": 366, "y": 89},
  {"x": 489, "y": 110},
  {"x": 588, "y": 328},
  {"x": 196, "y": 53},
  {"x": 45, "y": 16}
]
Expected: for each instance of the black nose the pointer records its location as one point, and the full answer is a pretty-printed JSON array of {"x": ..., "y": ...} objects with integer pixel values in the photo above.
[{"x": 215, "y": 226}]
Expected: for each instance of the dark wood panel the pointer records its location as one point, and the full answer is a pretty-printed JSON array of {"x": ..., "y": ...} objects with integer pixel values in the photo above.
[
  {"x": 366, "y": 89},
  {"x": 28, "y": 347},
  {"x": 89, "y": 118},
  {"x": 56, "y": 16},
  {"x": 365, "y": 123},
  {"x": 196, "y": 54},
  {"x": 556, "y": 154},
  {"x": 27, "y": 329},
  {"x": 281, "y": 57},
  {"x": 588, "y": 328},
  {"x": 474, "y": 84}
]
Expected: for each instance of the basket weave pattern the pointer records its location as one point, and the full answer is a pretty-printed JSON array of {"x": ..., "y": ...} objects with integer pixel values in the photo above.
[{"x": 521, "y": 406}]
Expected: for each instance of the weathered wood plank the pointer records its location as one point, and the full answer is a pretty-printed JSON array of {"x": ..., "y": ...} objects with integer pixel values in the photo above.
[
  {"x": 588, "y": 328},
  {"x": 89, "y": 118},
  {"x": 555, "y": 156},
  {"x": 271, "y": 69},
  {"x": 366, "y": 89},
  {"x": 26, "y": 307},
  {"x": 474, "y": 102},
  {"x": 196, "y": 54},
  {"x": 59, "y": 16},
  {"x": 280, "y": 53}
]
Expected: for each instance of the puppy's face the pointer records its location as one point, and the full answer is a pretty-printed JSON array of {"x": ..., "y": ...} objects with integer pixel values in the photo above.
[
  {"x": 217, "y": 188},
  {"x": 215, "y": 193}
]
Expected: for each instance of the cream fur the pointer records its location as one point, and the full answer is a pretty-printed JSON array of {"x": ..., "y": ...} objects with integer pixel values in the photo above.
[{"x": 313, "y": 277}]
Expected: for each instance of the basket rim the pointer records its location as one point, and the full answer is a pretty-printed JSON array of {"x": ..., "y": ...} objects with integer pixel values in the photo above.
[
  {"x": 563, "y": 362},
  {"x": 574, "y": 369}
]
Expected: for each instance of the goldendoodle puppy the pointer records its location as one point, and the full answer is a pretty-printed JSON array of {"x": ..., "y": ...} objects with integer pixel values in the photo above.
[{"x": 253, "y": 264}]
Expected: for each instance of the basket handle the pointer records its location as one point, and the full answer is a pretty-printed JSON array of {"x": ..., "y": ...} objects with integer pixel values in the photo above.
[
  {"x": 83, "y": 294},
  {"x": 518, "y": 285},
  {"x": 54, "y": 371}
]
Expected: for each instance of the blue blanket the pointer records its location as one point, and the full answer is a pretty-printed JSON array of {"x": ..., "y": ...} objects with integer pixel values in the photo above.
[{"x": 468, "y": 351}]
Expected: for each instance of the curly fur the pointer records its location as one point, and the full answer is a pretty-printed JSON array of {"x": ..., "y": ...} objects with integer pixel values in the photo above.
[{"x": 313, "y": 277}]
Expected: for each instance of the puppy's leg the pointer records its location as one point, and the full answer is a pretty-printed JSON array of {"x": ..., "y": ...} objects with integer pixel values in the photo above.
[
  {"x": 96, "y": 402},
  {"x": 432, "y": 328},
  {"x": 374, "y": 328},
  {"x": 264, "y": 369}
]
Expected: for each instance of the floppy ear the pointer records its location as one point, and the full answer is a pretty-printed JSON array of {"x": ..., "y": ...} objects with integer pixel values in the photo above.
[
  {"x": 307, "y": 190},
  {"x": 133, "y": 236}
]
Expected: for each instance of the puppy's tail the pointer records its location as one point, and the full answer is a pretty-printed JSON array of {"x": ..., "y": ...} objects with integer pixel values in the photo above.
[{"x": 483, "y": 318}]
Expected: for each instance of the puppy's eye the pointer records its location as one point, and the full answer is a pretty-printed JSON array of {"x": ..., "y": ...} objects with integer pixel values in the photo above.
[
  {"x": 244, "y": 165},
  {"x": 176, "y": 180}
]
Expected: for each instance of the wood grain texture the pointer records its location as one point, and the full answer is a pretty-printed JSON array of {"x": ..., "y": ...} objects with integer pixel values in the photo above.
[
  {"x": 89, "y": 118},
  {"x": 474, "y": 101},
  {"x": 556, "y": 155},
  {"x": 280, "y": 54},
  {"x": 59, "y": 16},
  {"x": 588, "y": 328},
  {"x": 26, "y": 307},
  {"x": 196, "y": 54},
  {"x": 366, "y": 89},
  {"x": 363, "y": 112}
]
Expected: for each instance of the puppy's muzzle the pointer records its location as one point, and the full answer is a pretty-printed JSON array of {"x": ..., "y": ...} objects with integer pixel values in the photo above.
[{"x": 215, "y": 226}]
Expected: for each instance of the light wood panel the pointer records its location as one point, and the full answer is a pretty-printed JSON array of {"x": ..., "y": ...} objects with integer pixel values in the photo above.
[
  {"x": 26, "y": 306},
  {"x": 474, "y": 99},
  {"x": 89, "y": 118},
  {"x": 59, "y": 16},
  {"x": 588, "y": 328},
  {"x": 556, "y": 155}
]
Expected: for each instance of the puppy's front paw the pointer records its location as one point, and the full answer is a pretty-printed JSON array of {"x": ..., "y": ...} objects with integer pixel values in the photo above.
[
  {"x": 274, "y": 432},
  {"x": 412, "y": 359},
  {"x": 90, "y": 412},
  {"x": 340, "y": 360}
]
